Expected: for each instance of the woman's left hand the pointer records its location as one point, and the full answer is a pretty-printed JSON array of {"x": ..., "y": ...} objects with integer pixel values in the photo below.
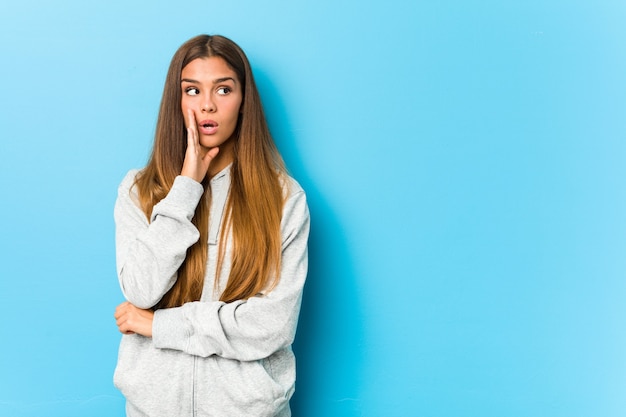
[{"x": 131, "y": 319}]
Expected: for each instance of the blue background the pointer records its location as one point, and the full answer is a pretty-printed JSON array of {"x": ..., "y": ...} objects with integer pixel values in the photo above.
[{"x": 464, "y": 162}]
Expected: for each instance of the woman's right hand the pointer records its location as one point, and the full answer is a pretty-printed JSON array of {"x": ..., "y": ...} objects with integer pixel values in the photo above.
[
  {"x": 197, "y": 158},
  {"x": 131, "y": 319}
]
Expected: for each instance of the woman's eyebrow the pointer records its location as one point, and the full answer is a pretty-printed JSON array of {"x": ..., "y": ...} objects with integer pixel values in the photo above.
[
  {"x": 216, "y": 81},
  {"x": 223, "y": 79}
]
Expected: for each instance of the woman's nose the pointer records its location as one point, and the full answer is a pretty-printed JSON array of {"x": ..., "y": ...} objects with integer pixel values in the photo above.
[{"x": 208, "y": 106}]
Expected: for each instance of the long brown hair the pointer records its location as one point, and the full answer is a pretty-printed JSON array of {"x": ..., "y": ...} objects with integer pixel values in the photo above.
[{"x": 254, "y": 207}]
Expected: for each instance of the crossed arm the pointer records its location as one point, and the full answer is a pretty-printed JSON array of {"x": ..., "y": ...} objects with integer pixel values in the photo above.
[{"x": 131, "y": 319}]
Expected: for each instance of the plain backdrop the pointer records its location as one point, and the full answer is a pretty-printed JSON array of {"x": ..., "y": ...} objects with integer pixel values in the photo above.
[{"x": 464, "y": 164}]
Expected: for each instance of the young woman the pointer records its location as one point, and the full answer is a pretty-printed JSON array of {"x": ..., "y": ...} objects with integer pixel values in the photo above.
[{"x": 211, "y": 240}]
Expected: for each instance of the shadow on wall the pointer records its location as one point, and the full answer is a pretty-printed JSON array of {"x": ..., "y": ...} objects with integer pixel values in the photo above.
[{"x": 328, "y": 344}]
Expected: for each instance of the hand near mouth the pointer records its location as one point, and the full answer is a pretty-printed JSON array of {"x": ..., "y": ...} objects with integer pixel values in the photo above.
[{"x": 197, "y": 158}]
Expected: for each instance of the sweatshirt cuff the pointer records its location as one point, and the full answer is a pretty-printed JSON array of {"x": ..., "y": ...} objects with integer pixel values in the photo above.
[
  {"x": 170, "y": 329},
  {"x": 183, "y": 199}
]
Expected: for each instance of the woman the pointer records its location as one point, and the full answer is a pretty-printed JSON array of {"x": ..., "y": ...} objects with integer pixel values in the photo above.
[{"x": 211, "y": 242}]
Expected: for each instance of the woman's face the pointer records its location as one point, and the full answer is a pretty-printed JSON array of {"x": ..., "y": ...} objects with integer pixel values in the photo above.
[{"x": 212, "y": 91}]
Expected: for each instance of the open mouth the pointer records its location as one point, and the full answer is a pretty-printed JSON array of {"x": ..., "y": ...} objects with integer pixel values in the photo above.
[{"x": 207, "y": 127}]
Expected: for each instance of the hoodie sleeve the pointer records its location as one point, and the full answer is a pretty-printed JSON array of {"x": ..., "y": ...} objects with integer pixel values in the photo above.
[
  {"x": 250, "y": 329},
  {"x": 148, "y": 254}
]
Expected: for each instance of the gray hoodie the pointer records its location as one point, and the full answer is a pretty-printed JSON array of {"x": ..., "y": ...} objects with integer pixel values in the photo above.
[{"x": 206, "y": 358}]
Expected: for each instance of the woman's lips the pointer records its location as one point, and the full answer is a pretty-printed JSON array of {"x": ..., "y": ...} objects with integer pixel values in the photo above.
[{"x": 207, "y": 127}]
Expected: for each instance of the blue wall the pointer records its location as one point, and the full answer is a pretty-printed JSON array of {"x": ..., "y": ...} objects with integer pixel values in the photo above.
[{"x": 464, "y": 162}]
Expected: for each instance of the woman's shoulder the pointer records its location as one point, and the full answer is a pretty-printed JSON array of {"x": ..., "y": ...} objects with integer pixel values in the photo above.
[
  {"x": 129, "y": 178},
  {"x": 295, "y": 209},
  {"x": 127, "y": 186},
  {"x": 291, "y": 187}
]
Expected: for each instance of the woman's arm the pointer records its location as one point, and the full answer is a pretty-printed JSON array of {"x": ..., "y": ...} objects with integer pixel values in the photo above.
[
  {"x": 246, "y": 329},
  {"x": 149, "y": 254}
]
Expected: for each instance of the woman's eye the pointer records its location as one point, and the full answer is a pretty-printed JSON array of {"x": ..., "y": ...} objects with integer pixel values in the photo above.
[
  {"x": 192, "y": 91},
  {"x": 223, "y": 91}
]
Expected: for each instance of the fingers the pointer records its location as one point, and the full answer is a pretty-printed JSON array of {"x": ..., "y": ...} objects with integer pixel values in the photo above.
[
  {"x": 122, "y": 317},
  {"x": 130, "y": 319},
  {"x": 120, "y": 309},
  {"x": 190, "y": 118},
  {"x": 211, "y": 154},
  {"x": 192, "y": 129},
  {"x": 197, "y": 157}
]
